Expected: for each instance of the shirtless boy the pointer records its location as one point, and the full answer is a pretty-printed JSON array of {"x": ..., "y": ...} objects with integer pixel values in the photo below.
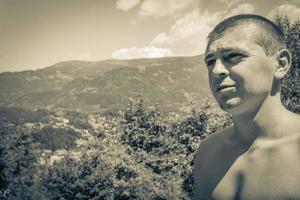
[{"x": 258, "y": 158}]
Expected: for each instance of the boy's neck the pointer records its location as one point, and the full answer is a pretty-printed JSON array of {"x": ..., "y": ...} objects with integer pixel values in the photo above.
[{"x": 268, "y": 122}]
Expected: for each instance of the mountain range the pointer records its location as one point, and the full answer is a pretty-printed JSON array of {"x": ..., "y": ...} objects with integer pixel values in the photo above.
[{"x": 105, "y": 86}]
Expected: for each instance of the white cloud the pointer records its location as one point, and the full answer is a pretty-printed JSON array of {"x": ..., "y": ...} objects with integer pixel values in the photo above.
[
  {"x": 230, "y": 3},
  {"x": 163, "y": 8},
  {"x": 142, "y": 52},
  {"x": 241, "y": 9},
  {"x": 188, "y": 34},
  {"x": 126, "y": 5},
  {"x": 292, "y": 11}
]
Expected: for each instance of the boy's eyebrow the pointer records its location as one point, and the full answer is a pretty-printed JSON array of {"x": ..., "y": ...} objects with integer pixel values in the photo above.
[
  {"x": 208, "y": 55},
  {"x": 225, "y": 51},
  {"x": 228, "y": 50}
]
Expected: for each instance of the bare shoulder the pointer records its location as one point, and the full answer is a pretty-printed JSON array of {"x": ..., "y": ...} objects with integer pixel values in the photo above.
[
  {"x": 212, "y": 144},
  {"x": 207, "y": 158}
]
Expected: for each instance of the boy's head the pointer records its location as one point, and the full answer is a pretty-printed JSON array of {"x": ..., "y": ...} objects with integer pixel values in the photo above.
[{"x": 246, "y": 56}]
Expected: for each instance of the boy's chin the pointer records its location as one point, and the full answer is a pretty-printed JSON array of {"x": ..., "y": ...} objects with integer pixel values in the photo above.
[{"x": 230, "y": 105}]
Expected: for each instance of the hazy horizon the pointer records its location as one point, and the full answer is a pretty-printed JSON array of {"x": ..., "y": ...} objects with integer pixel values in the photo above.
[{"x": 36, "y": 34}]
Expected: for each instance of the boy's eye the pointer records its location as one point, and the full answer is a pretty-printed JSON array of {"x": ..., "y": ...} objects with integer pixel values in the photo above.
[
  {"x": 234, "y": 57},
  {"x": 210, "y": 62}
]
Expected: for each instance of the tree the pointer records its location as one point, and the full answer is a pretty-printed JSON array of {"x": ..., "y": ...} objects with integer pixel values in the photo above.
[{"x": 291, "y": 83}]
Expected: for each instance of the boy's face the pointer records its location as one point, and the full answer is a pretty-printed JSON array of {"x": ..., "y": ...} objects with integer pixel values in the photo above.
[{"x": 240, "y": 74}]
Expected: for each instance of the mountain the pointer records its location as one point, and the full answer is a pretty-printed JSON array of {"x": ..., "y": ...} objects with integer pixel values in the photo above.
[{"x": 104, "y": 86}]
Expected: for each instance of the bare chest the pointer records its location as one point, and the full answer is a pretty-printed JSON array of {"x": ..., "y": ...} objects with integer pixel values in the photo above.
[{"x": 269, "y": 173}]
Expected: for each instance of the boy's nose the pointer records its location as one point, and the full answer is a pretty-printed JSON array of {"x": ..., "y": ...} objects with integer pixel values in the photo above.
[{"x": 219, "y": 70}]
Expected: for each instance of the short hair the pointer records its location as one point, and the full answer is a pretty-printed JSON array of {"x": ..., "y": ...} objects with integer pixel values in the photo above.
[{"x": 271, "y": 38}]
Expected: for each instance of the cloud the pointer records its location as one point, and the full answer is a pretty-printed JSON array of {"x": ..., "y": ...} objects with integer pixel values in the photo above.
[
  {"x": 126, "y": 5},
  {"x": 292, "y": 11},
  {"x": 163, "y": 8},
  {"x": 188, "y": 34},
  {"x": 241, "y": 9},
  {"x": 217, "y": 5},
  {"x": 142, "y": 52},
  {"x": 262, "y": 6}
]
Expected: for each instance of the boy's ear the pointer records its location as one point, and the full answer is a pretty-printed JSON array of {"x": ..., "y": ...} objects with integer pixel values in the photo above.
[{"x": 283, "y": 63}]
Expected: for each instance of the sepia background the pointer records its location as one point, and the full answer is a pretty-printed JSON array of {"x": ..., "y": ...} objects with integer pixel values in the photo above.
[
  {"x": 36, "y": 34},
  {"x": 109, "y": 99}
]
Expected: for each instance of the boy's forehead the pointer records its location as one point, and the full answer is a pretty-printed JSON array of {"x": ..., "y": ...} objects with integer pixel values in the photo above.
[
  {"x": 239, "y": 37},
  {"x": 236, "y": 40}
]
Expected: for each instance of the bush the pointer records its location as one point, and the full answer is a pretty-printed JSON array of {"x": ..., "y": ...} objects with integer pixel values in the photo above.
[
  {"x": 53, "y": 138},
  {"x": 19, "y": 154},
  {"x": 291, "y": 83}
]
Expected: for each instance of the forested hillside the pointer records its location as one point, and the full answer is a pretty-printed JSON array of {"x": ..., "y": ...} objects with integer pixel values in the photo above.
[{"x": 105, "y": 86}]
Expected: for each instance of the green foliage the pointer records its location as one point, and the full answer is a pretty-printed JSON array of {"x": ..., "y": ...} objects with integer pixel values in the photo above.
[
  {"x": 170, "y": 143},
  {"x": 143, "y": 128},
  {"x": 54, "y": 138},
  {"x": 140, "y": 155},
  {"x": 103, "y": 168},
  {"x": 77, "y": 119},
  {"x": 18, "y": 164},
  {"x": 291, "y": 83},
  {"x": 12, "y": 115},
  {"x": 70, "y": 179}
]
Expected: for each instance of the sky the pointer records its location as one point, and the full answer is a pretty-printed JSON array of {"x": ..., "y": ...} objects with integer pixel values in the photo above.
[{"x": 39, "y": 33}]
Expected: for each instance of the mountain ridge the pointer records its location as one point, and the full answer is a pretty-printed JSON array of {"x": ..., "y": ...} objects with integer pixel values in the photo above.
[{"x": 101, "y": 86}]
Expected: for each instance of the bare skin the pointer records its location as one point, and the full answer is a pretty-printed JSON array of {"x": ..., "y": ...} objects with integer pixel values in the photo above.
[
  {"x": 227, "y": 167},
  {"x": 258, "y": 157}
]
